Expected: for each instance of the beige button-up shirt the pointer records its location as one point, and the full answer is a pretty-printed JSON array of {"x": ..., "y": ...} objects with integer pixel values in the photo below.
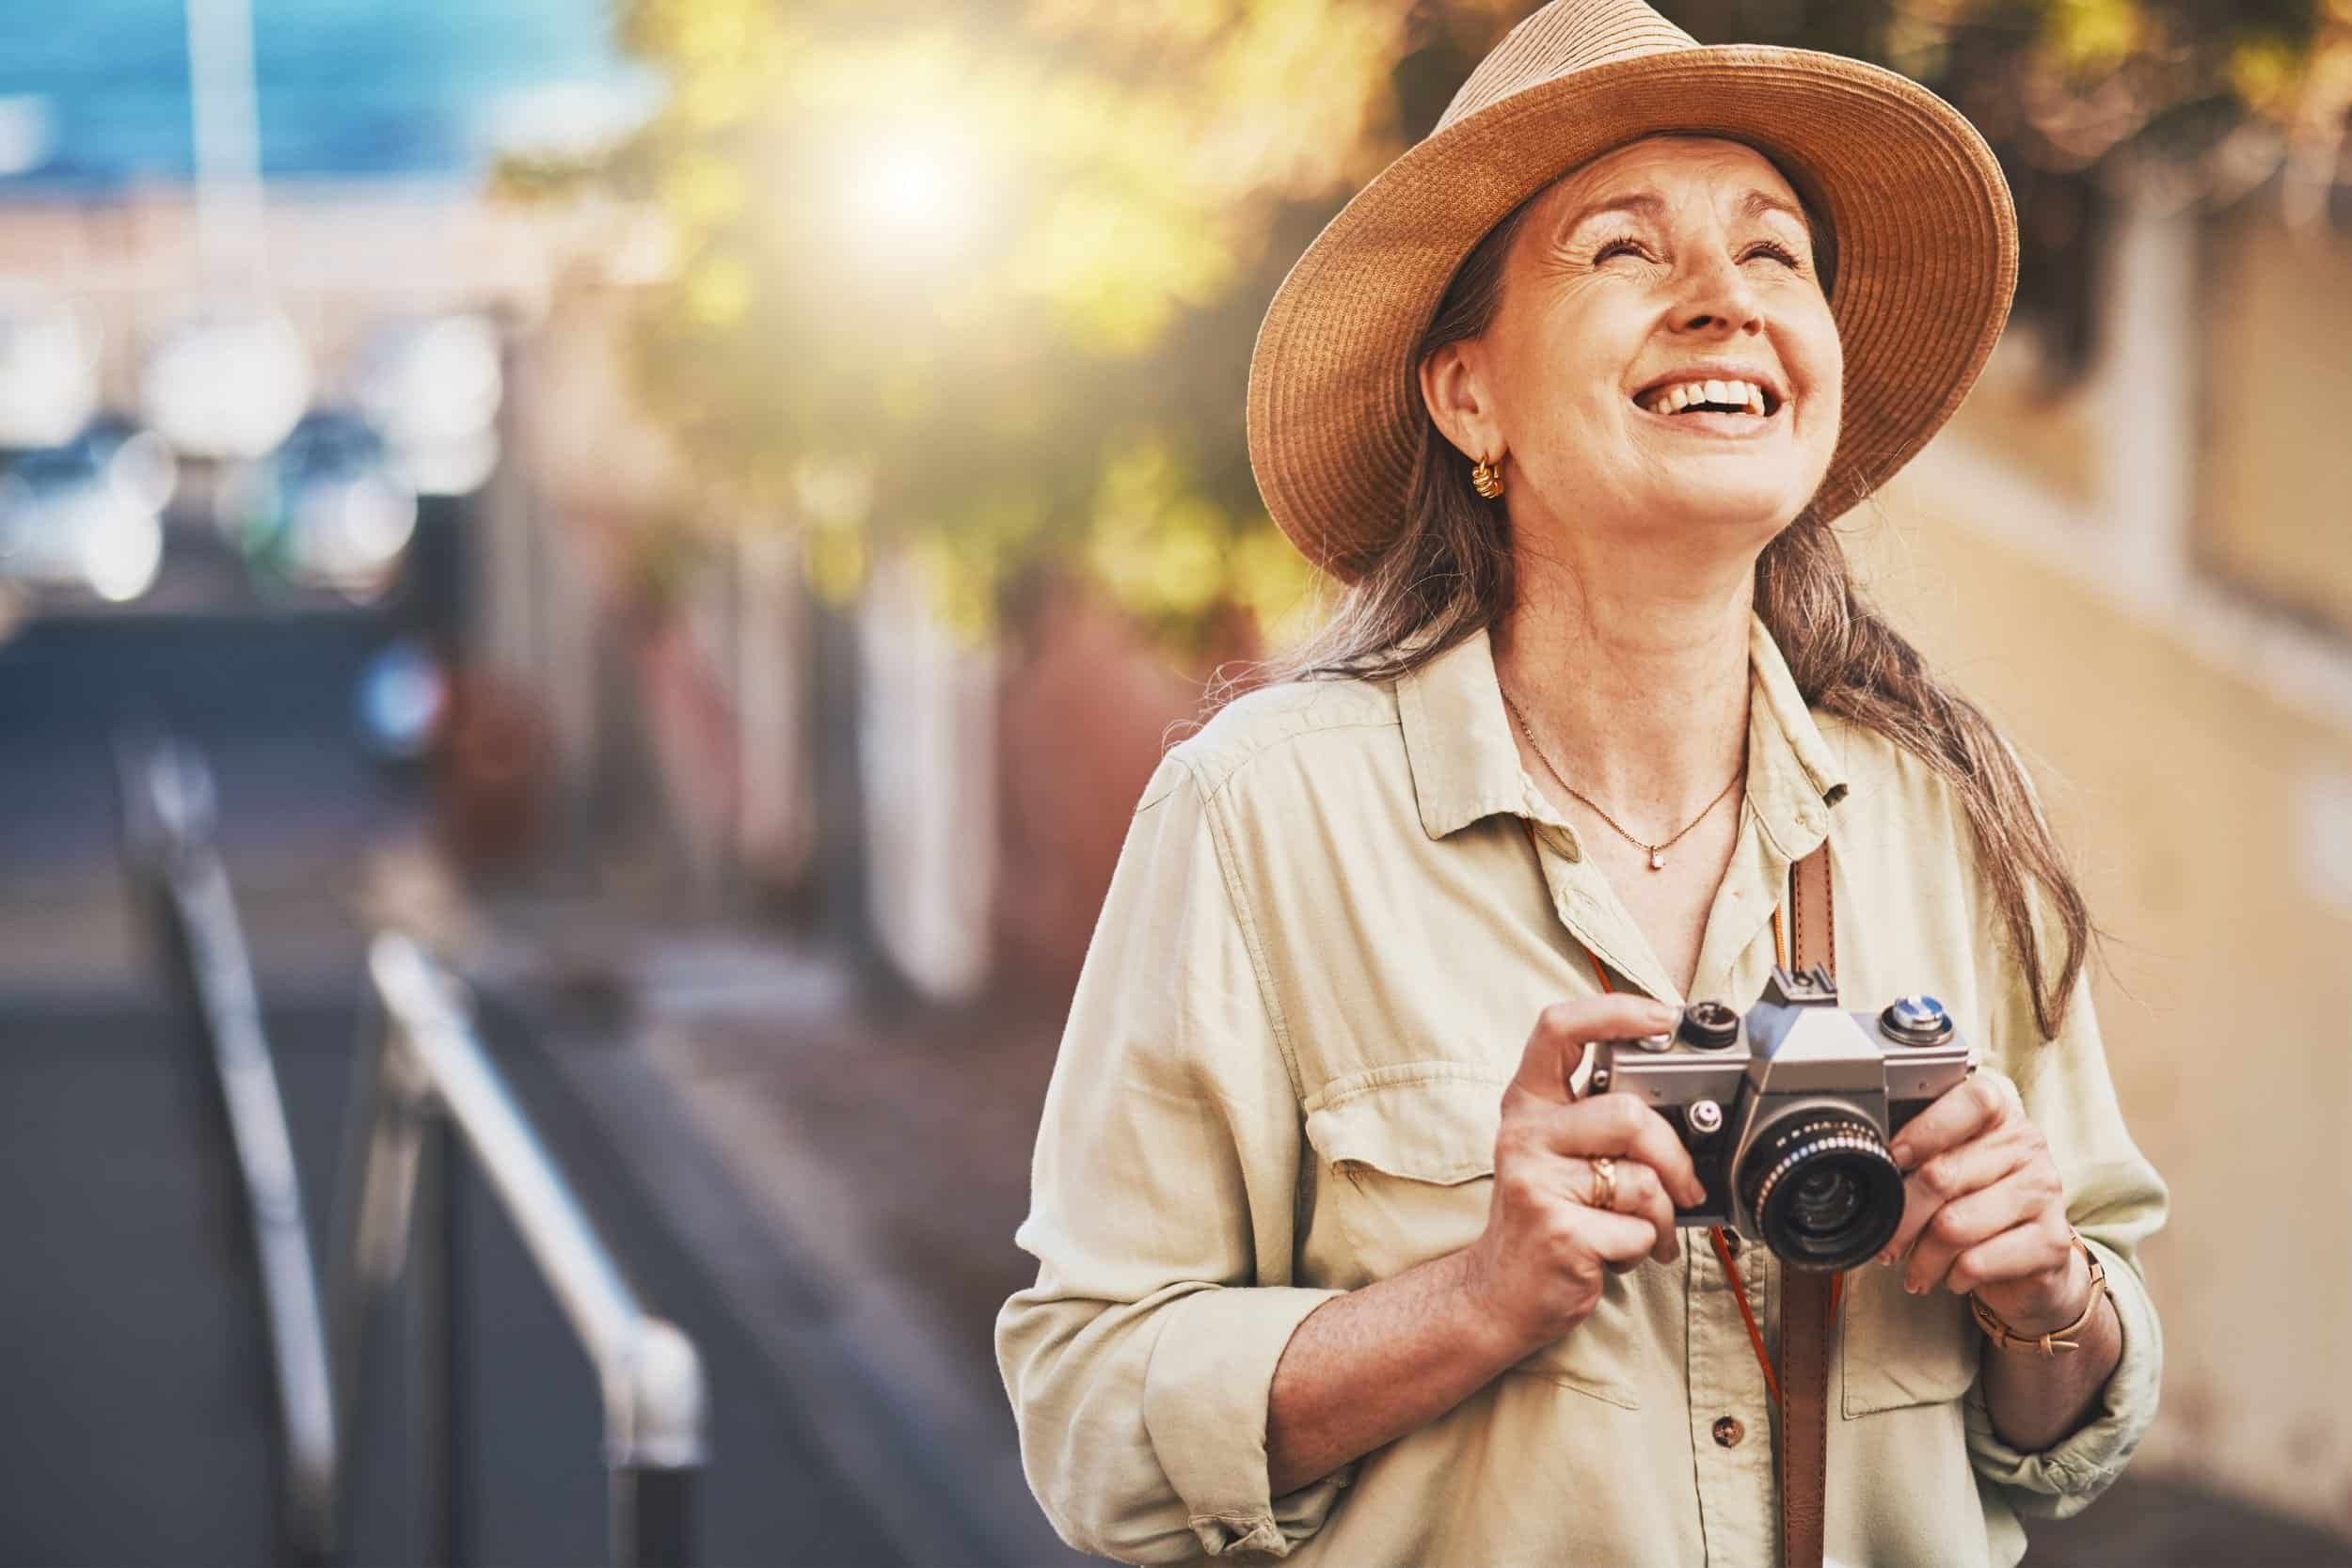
[{"x": 1325, "y": 942}]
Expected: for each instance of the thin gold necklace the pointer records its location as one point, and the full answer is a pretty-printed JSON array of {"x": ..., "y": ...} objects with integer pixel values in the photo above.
[{"x": 1657, "y": 852}]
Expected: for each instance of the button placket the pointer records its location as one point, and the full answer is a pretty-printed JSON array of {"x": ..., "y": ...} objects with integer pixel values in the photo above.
[{"x": 1735, "y": 1478}]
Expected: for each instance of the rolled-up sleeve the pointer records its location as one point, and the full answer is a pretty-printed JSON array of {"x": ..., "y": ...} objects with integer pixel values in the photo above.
[
  {"x": 1161, "y": 1216},
  {"x": 2116, "y": 1200}
]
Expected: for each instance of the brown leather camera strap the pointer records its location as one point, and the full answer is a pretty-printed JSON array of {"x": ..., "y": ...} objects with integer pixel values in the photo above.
[{"x": 1808, "y": 1300}]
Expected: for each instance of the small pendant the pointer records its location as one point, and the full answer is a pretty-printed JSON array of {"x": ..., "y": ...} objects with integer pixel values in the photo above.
[{"x": 1656, "y": 860}]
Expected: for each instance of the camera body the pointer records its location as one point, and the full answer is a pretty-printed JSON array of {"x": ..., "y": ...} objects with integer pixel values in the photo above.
[{"x": 1786, "y": 1112}]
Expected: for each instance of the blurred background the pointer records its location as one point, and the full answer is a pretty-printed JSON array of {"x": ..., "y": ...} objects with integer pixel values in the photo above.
[{"x": 703, "y": 514}]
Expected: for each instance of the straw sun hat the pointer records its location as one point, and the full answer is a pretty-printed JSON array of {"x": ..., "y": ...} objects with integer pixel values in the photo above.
[{"x": 1924, "y": 235}]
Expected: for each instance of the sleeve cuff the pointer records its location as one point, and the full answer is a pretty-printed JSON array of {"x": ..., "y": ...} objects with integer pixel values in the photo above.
[
  {"x": 2063, "y": 1479},
  {"x": 1204, "y": 1406}
]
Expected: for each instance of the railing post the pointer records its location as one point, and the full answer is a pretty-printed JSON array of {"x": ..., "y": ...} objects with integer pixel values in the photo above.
[
  {"x": 654, "y": 1413},
  {"x": 652, "y": 1517},
  {"x": 434, "y": 1309},
  {"x": 440, "y": 1092}
]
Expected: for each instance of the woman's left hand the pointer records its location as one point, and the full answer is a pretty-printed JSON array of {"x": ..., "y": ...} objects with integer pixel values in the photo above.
[{"x": 1985, "y": 1210}]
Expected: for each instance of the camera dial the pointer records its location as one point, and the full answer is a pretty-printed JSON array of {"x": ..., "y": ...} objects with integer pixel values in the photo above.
[
  {"x": 1710, "y": 1025},
  {"x": 1916, "y": 1020}
]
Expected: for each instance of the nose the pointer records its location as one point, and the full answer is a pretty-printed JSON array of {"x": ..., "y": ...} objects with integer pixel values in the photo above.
[{"x": 1718, "y": 300}]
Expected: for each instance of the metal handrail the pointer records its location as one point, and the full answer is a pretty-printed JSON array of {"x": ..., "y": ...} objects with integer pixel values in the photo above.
[
  {"x": 430, "y": 1087},
  {"x": 434, "y": 1072},
  {"x": 168, "y": 810}
]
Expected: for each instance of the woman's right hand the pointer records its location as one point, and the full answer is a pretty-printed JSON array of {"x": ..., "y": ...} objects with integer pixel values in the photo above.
[{"x": 1538, "y": 1269}]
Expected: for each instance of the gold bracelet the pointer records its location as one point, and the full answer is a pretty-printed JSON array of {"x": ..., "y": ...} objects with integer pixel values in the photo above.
[{"x": 2051, "y": 1343}]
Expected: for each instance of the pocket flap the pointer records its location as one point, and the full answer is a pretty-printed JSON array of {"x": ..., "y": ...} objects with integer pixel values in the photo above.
[
  {"x": 1429, "y": 1128},
  {"x": 1431, "y": 1121}
]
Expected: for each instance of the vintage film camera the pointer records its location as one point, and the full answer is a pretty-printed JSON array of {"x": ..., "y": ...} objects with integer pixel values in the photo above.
[{"x": 1786, "y": 1112}]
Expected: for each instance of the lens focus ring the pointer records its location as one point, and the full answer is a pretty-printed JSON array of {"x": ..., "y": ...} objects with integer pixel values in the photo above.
[{"x": 1859, "y": 1201}]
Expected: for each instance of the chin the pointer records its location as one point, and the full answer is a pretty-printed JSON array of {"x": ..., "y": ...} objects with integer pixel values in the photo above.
[{"x": 1730, "y": 511}]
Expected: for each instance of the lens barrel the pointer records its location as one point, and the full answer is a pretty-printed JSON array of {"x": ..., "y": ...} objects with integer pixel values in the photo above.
[{"x": 1823, "y": 1188}]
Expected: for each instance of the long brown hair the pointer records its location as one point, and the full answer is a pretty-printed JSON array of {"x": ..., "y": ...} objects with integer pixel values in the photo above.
[{"x": 1448, "y": 573}]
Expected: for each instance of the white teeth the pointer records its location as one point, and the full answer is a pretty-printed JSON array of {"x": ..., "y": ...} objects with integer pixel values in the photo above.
[{"x": 1673, "y": 399}]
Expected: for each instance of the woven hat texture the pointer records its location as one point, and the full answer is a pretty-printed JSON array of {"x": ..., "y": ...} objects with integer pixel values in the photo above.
[{"x": 1924, "y": 236}]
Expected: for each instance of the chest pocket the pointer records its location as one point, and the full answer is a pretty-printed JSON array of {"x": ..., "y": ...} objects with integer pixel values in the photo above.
[
  {"x": 1409, "y": 1154},
  {"x": 1897, "y": 1348}
]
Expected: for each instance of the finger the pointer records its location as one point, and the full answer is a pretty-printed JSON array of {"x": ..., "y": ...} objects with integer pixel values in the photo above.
[
  {"x": 1951, "y": 1175},
  {"x": 1620, "y": 1241},
  {"x": 1966, "y": 1221},
  {"x": 2022, "y": 1252},
  {"x": 1960, "y": 1113},
  {"x": 1621, "y": 1125},
  {"x": 1563, "y": 1029},
  {"x": 1640, "y": 1194}
]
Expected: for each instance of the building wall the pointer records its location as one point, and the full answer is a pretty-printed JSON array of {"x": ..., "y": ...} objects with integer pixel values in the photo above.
[
  {"x": 2194, "y": 743},
  {"x": 2192, "y": 800},
  {"x": 2276, "y": 518}
]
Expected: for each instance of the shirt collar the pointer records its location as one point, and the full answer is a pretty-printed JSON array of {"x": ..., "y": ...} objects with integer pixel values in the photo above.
[{"x": 1466, "y": 766}]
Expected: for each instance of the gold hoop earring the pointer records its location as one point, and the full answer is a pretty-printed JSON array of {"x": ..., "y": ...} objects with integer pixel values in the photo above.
[{"x": 1486, "y": 478}]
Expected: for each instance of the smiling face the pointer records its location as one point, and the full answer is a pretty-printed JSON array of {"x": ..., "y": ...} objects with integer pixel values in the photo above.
[{"x": 1662, "y": 355}]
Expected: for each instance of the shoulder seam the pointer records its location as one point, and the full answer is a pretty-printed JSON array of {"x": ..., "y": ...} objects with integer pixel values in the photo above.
[{"x": 1227, "y": 775}]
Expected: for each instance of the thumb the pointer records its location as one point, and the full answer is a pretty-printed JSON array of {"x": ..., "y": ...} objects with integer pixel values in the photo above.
[{"x": 1563, "y": 1030}]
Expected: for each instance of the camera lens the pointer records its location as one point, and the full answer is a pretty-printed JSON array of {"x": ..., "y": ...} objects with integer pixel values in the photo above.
[
  {"x": 1823, "y": 1201},
  {"x": 1823, "y": 1188}
]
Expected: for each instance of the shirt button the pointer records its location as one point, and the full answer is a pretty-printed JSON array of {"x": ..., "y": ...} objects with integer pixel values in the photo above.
[
  {"x": 1728, "y": 1431},
  {"x": 1732, "y": 1243}
]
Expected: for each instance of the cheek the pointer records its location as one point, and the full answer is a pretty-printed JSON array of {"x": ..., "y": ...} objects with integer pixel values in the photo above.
[{"x": 1823, "y": 366}]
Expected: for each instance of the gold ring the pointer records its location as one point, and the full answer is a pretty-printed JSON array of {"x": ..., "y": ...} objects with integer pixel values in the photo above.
[{"x": 1604, "y": 1182}]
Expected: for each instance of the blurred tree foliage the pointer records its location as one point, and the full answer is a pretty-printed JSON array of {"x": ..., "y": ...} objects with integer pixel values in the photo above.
[{"x": 980, "y": 280}]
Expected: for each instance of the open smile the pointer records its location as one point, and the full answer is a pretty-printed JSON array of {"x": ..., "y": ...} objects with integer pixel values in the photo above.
[
  {"x": 1713, "y": 406},
  {"x": 1715, "y": 397}
]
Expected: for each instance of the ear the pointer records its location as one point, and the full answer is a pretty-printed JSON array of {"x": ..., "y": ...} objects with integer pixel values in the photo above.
[{"x": 1453, "y": 386}]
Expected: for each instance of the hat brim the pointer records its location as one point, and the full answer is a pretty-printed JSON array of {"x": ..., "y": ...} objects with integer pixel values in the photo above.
[{"x": 1926, "y": 264}]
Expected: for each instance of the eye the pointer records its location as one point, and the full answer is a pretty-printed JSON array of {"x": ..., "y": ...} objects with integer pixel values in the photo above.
[
  {"x": 1625, "y": 244},
  {"x": 1776, "y": 250}
]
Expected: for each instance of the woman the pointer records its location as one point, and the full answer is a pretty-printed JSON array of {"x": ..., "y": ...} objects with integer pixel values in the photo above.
[{"x": 1337, "y": 1259}]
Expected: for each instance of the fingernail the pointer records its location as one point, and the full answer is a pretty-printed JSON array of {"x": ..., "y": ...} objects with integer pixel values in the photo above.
[
  {"x": 1902, "y": 1156},
  {"x": 1886, "y": 1259}
]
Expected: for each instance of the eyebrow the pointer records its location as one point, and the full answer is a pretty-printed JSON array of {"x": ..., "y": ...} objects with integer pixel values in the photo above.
[{"x": 1649, "y": 204}]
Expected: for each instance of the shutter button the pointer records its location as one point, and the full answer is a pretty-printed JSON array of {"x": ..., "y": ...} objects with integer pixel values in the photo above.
[{"x": 1728, "y": 1431}]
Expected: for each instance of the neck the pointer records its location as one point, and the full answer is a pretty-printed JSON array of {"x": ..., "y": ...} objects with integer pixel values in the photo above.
[{"x": 1633, "y": 675}]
